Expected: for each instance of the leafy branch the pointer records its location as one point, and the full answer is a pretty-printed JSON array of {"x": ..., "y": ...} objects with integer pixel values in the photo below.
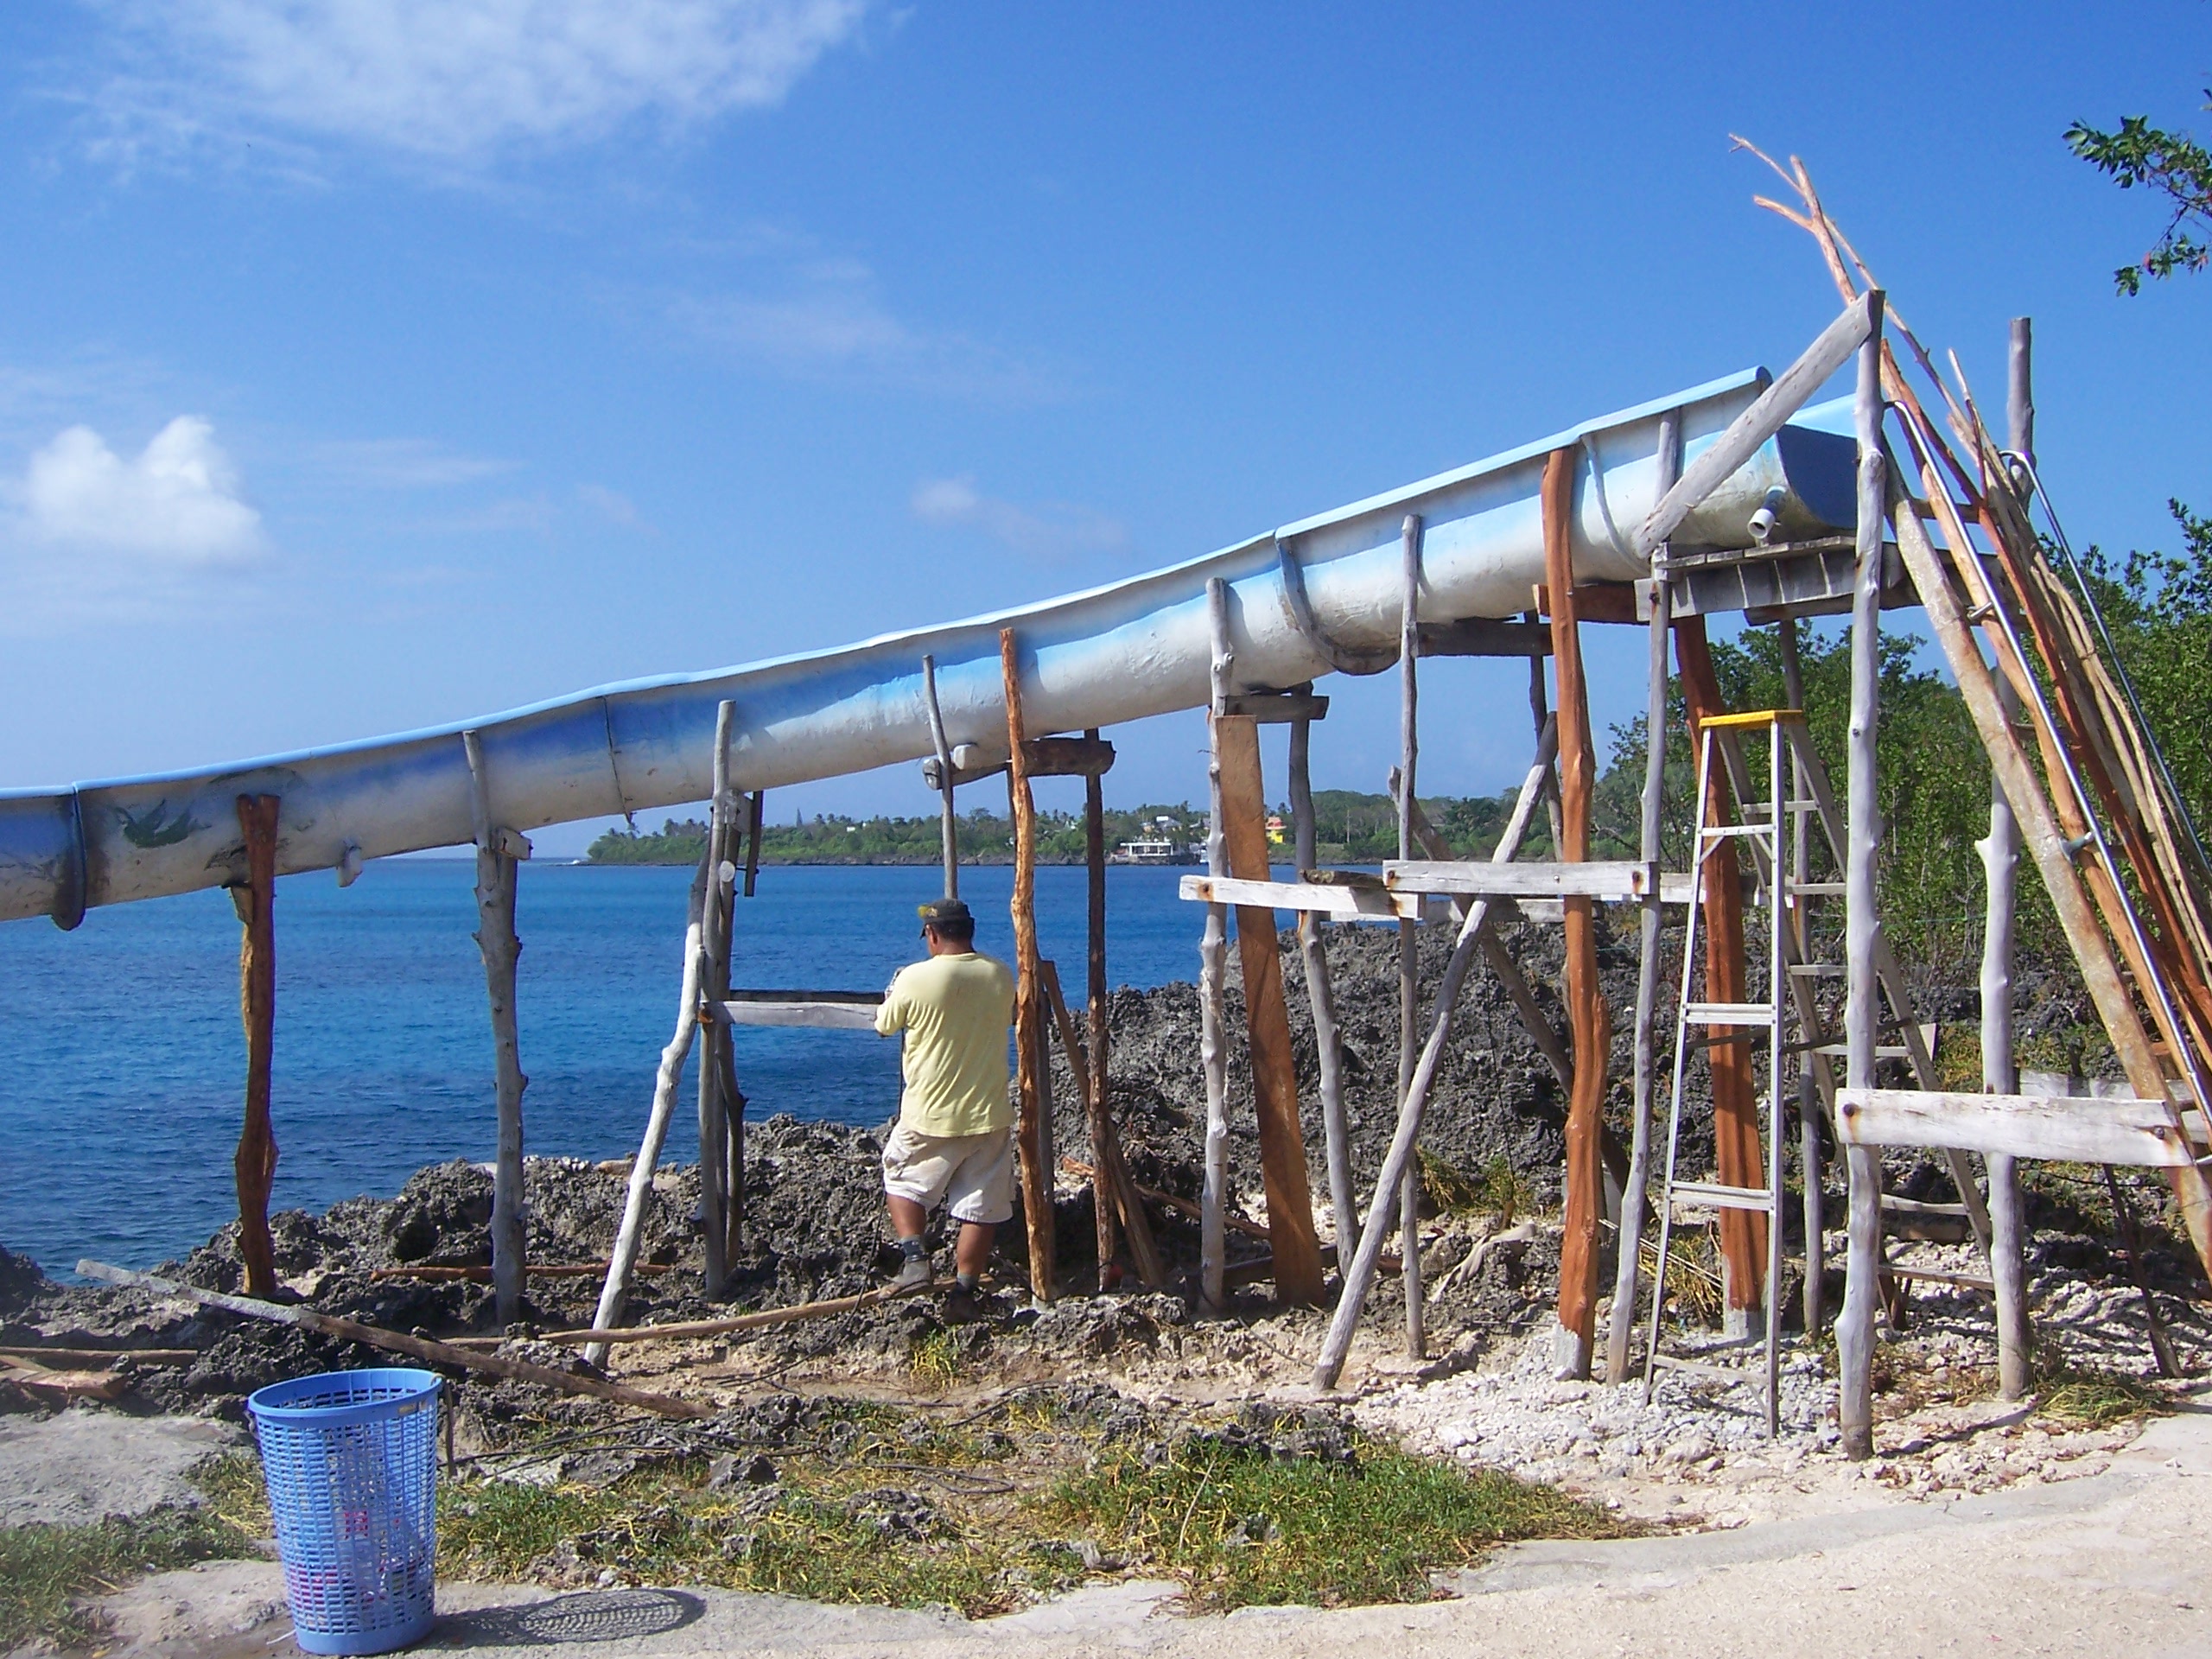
[{"x": 2172, "y": 163}]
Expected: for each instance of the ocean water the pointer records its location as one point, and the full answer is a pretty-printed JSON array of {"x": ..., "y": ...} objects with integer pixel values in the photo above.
[{"x": 122, "y": 1079}]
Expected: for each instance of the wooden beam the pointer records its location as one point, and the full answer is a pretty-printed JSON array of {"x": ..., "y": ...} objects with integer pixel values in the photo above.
[
  {"x": 1627, "y": 1261},
  {"x": 799, "y": 1009},
  {"x": 715, "y": 1199},
  {"x": 254, "y": 1165},
  {"x": 1854, "y": 1326},
  {"x": 1213, "y": 961},
  {"x": 621, "y": 1263},
  {"x": 1321, "y": 1002},
  {"x": 756, "y": 807},
  {"x": 1479, "y": 636},
  {"x": 1067, "y": 757},
  {"x": 1859, "y": 320},
  {"x": 1033, "y": 1129},
  {"x": 1277, "y": 707},
  {"x": 2000, "y": 861},
  {"x": 497, "y": 866},
  {"x": 1614, "y": 880},
  {"x": 1306, "y": 898},
  {"x": 422, "y": 1348},
  {"x": 1611, "y": 603},
  {"x": 1359, "y": 1277},
  {"x": 1408, "y": 939},
  {"x": 949, "y": 814},
  {"x": 1589, "y": 1022},
  {"x": 2075, "y": 1128},
  {"x": 1275, "y": 1073},
  {"x": 1735, "y": 1089}
]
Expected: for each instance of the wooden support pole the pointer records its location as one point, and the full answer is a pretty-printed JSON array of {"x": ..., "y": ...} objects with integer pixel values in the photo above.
[
  {"x": 1033, "y": 1127},
  {"x": 1108, "y": 1171},
  {"x": 621, "y": 1263},
  {"x": 1408, "y": 933},
  {"x": 1539, "y": 716},
  {"x": 496, "y": 941},
  {"x": 1809, "y": 1161},
  {"x": 756, "y": 809},
  {"x": 1587, "y": 1019},
  {"x": 949, "y": 813},
  {"x": 1105, "y": 1150},
  {"x": 1213, "y": 967},
  {"x": 2000, "y": 859},
  {"x": 254, "y": 1165},
  {"x": 422, "y": 1348},
  {"x": 1735, "y": 1088},
  {"x": 1321, "y": 999},
  {"x": 1359, "y": 1277},
  {"x": 1854, "y": 1330},
  {"x": 714, "y": 1197},
  {"x": 1267, "y": 1019},
  {"x": 1634, "y": 1189}
]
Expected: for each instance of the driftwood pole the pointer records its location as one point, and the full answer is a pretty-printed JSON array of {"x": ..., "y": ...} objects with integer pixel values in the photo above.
[
  {"x": 1034, "y": 1129},
  {"x": 756, "y": 809},
  {"x": 1408, "y": 934},
  {"x": 1735, "y": 1086},
  {"x": 714, "y": 1197},
  {"x": 620, "y": 1265},
  {"x": 1359, "y": 1277},
  {"x": 254, "y": 1164},
  {"x": 950, "y": 814},
  {"x": 2000, "y": 859},
  {"x": 1808, "y": 1093},
  {"x": 1635, "y": 1190},
  {"x": 1585, "y": 1005},
  {"x": 1854, "y": 1330},
  {"x": 496, "y": 868},
  {"x": 1213, "y": 966},
  {"x": 1320, "y": 995},
  {"x": 1104, "y": 1193},
  {"x": 1539, "y": 714}
]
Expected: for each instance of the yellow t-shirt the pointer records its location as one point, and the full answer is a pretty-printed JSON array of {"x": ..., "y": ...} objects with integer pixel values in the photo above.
[{"x": 955, "y": 1011}]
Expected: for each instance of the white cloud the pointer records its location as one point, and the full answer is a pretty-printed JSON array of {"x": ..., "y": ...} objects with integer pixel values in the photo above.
[
  {"x": 611, "y": 505},
  {"x": 404, "y": 463},
  {"x": 1052, "y": 533},
  {"x": 179, "y": 503},
  {"x": 824, "y": 319},
  {"x": 457, "y": 81}
]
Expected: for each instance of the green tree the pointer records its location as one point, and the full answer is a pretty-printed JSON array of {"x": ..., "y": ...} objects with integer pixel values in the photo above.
[
  {"x": 2171, "y": 164},
  {"x": 2159, "y": 607}
]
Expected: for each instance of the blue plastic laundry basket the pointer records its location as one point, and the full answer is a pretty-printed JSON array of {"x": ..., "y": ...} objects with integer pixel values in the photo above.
[{"x": 351, "y": 1459}]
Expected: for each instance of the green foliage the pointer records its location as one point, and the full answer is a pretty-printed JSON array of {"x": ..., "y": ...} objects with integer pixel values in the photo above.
[
  {"x": 2173, "y": 165},
  {"x": 2159, "y": 607},
  {"x": 1242, "y": 1529},
  {"x": 1933, "y": 782},
  {"x": 46, "y": 1570}
]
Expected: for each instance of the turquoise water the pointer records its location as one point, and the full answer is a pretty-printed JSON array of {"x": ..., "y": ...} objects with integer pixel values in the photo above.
[{"x": 125, "y": 1071}]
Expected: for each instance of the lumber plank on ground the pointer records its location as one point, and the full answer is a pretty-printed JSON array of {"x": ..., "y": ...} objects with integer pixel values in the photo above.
[
  {"x": 95, "y": 1356},
  {"x": 435, "y": 1353},
  {"x": 754, "y": 1321}
]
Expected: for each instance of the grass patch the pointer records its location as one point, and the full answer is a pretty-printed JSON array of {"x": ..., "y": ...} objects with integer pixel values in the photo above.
[
  {"x": 1496, "y": 1189},
  {"x": 45, "y": 1571},
  {"x": 936, "y": 1359},
  {"x": 1242, "y": 1529},
  {"x": 2091, "y": 1397}
]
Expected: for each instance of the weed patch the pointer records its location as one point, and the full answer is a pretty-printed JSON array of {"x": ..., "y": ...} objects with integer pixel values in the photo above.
[
  {"x": 1240, "y": 1527},
  {"x": 2091, "y": 1397},
  {"x": 45, "y": 1571}
]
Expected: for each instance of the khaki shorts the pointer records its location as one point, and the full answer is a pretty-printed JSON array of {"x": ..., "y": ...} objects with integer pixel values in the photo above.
[{"x": 975, "y": 1172}]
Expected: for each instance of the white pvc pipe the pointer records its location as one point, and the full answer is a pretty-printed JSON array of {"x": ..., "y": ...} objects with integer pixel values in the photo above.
[{"x": 1120, "y": 653}]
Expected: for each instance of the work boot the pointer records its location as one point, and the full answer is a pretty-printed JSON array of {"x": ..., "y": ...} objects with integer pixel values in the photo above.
[{"x": 914, "y": 1273}]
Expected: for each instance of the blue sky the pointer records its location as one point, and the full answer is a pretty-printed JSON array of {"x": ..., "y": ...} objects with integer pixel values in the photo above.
[{"x": 368, "y": 365}]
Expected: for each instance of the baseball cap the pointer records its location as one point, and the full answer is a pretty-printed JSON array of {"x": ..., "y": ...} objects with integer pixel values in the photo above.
[{"x": 945, "y": 910}]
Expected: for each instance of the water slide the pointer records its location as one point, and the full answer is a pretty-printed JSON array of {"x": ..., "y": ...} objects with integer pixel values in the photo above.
[{"x": 1311, "y": 598}]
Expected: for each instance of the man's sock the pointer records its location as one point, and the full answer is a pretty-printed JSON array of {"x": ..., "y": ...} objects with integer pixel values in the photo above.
[
  {"x": 969, "y": 1282},
  {"x": 912, "y": 1248}
]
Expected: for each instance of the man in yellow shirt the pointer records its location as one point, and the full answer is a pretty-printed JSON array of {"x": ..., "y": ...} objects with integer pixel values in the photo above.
[{"x": 954, "y": 1143}]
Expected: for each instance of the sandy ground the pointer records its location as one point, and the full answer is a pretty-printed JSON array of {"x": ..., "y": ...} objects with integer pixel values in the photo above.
[
  {"x": 2113, "y": 1562},
  {"x": 73, "y": 1468}
]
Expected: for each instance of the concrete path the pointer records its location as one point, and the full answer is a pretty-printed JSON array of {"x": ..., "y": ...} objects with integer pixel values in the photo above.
[{"x": 2119, "y": 1563}]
